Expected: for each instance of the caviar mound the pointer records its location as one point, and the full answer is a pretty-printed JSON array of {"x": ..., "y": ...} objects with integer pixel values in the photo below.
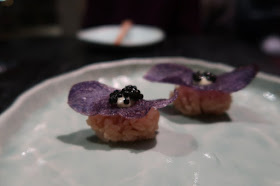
[
  {"x": 192, "y": 102},
  {"x": 126, "y": 97},
  {"x": 117, "y": 128}
]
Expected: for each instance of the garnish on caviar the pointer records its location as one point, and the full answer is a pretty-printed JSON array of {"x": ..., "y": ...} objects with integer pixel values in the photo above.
[{"x": 205, "y": 78}]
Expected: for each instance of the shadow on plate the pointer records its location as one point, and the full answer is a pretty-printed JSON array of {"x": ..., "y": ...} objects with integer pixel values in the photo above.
[
  {"x": 89, "y": 141},
  {"x": 167, "y": 142},
  {"x": 175, "y": 116},
  {"x": 174, "y": 144}
]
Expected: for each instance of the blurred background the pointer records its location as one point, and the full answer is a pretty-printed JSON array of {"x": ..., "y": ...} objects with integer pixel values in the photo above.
[
  {"x": 38, "y": 38},
  {"x": 250, "y": 19}
]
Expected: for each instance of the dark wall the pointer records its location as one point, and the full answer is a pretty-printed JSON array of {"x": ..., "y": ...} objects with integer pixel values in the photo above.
[{"x": 27, "y": 13}]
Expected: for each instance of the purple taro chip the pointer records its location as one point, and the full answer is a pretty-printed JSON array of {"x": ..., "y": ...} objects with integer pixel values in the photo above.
[
  {"x": 91, "y": 98},
  {"x": 170, "y": 73},
  {"x": 181, "y": 75}
]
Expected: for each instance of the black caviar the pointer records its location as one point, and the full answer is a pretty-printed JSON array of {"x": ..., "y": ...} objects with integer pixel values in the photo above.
[
  {"x": 208, "y": 75},
  {"x": 129, "y": 93}
]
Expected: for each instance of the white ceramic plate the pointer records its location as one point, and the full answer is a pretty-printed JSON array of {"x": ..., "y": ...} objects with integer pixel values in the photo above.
[
  {"x": 44, "y": 142},
  {"x": 138, "y": 35}
]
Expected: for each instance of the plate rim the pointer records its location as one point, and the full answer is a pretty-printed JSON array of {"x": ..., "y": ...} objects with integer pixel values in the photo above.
[{"x": 20, "y": 99}]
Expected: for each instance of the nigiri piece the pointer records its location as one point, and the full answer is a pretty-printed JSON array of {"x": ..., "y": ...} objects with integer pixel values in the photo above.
[
  {"x": 117, "y": 115},
  {"x": 202, "y": 92}
]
